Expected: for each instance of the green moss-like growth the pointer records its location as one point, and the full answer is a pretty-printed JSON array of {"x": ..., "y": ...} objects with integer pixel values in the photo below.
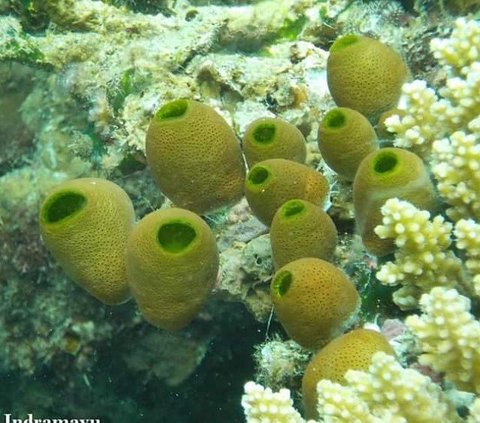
[
  {"x": 63, "y": 205},
  {"x": 125, "y": 87},
  {"x": 264, "y": 133},
  {"x": 32, "y": 13},
  {"x": 175, "y": 237},
  {"x": 282, "y": 283},
  {"x": 129, "y": 82},
  {"x": 173, "y": 109},
  {"x": 19, "y": 46},
  {"x": 377, "y": 298},
  {"x": 291, "y": 29}
]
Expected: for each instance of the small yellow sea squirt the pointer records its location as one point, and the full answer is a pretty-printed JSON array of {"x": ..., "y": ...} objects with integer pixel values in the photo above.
[
  {"x": 388, "y": 173},
  {"x": 172, "y": 265},
  {"x": 273, "y": 138},
  {"x": 301, "y": 229},
  {"x": 85, "y": 224},
  {"x": 194, "y": 156},
  {"x": 272, "y": 182},
  {"x": 345, "y": 137},
  {"x": 365, "y": 74},
  {"x": 314, "y": 301}
]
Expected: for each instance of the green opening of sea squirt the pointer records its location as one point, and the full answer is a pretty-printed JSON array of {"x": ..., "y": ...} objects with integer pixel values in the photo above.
[
  {"x": 258, "y": 175},
  {"x": 264, "y": 133},
  {"x": 175, "y": 237},
  {"x": 292, "y": 208},
  {"x": 62, "y": 205},
  {"x": 343, "y": 42},
  {"x": 282, "y": 283},
  {"x": 385, "y": 161},
  {"x": 173, "y": 109},
  {"x": 334, "y": 119}
]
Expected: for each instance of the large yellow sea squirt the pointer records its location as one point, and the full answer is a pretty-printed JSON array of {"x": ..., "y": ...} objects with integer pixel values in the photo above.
[
  {"x": 172, "y": 265},
  {"x": 387, "y": 173},
  {"x": 314, "y": 301},
  {"x": 195, "y": 157},
  {"x": 85, "y": 224},
  {"x": 365, "y": 74}
]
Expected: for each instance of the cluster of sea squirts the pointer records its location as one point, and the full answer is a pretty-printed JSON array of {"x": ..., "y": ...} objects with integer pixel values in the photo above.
[{"x": 168, "y": 261}]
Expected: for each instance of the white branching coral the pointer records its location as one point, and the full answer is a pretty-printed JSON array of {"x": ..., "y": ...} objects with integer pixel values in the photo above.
[
  {"x": 456, "y": 158},
  {"x": 261, "y": 405},
  {"x": 387, "y": 392},
  {"x": 418, "y": 128},
  {"x": 461, "y": 49},
  {"x": 449, "y": 337},
  {"x": 337, "y": 403},
  {"x": 456, "y": 166},
  {"x": 461, "y": 98},
  {"x": 447, "y": 128},
  {"x": 427, "y": 117},
  {"x": 467, "y": 233},
  {"x": 423, "y": 259}
]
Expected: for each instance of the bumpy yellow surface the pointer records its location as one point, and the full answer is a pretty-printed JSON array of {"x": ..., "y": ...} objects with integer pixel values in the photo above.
[
  {"x": 365, "y": 74},
  {"x": 345, "y": 137},
  {"x": 171, "y": 287},
  {"x": 273, "y": 138},
  {"x": 383, "y": 174},
  {"x": 272, "y": 182},
  {"x": 195, "y": 158},
  {"x": 352, "y": 351},
  {"x": 313, "y": 300},
  {"x": 90, "y": 244},
  {"x": 301, "y": 229}
]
